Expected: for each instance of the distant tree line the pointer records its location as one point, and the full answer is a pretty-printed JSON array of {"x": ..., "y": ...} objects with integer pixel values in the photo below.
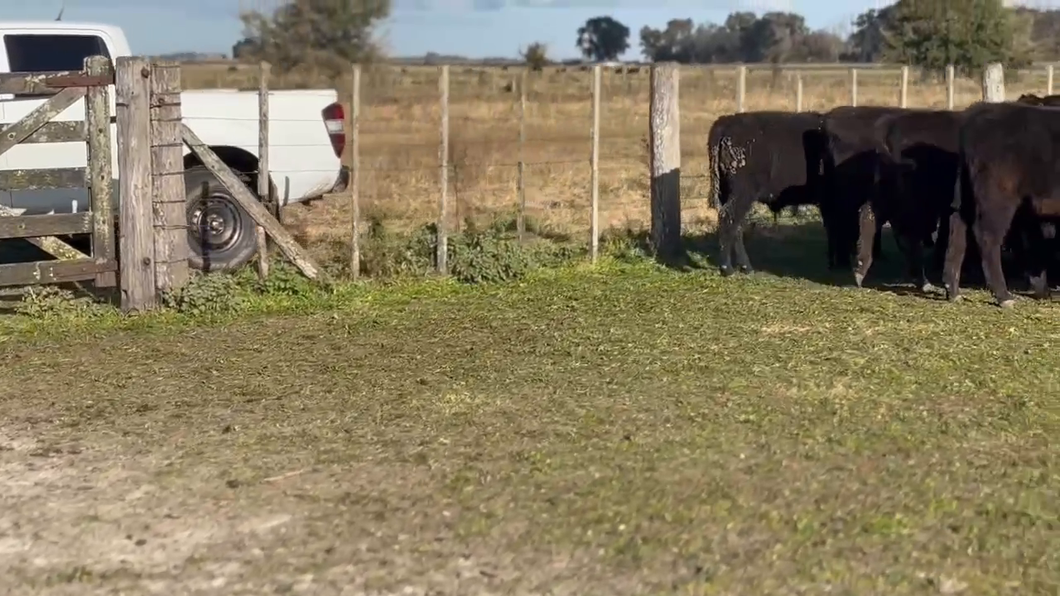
[
  {"x": 329, "y": 34},
  {"x": 929, "y": 34}
]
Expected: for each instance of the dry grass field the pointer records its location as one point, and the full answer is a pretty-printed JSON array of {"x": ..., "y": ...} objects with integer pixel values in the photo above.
[{"x": 400, "y": 136}]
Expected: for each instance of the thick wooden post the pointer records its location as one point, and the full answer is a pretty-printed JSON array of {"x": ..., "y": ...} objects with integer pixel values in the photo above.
[
  {"x": 261, "y": 238},
  {"x": 133, "y": 107},
  {"x": 994, "y": 83},
  {"x": 1049, "y": 80},
  {"x": 167, "y": 179},
  {"x": 665, "y": 167},
  {"x": 100, "y": 175},
  {"x": 594, "y": 158},
  {"x": 798, "y": 92}
]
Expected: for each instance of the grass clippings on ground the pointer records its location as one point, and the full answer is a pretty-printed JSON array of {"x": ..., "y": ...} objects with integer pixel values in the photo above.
[{"x": 623, "y": 430}]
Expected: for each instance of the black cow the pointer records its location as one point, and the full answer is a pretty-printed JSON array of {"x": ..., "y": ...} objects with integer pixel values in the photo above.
[
  {"x": 1035, "y": 100},
  {"x": 1008, "y": 176},
  {"x": 771, "y": 156},
  {"x": 850, "y": 173},
  {"x": 915, "y": 172}
]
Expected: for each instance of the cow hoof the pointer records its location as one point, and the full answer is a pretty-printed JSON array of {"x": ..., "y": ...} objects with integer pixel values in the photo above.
[
  {"x": 1009, "y": 303},
  {"x": 725, "y": 271},
  {"x": 858, "y": 278},
  {"x": 747, "y": 269},
  {"x": 927, "y": 288}
]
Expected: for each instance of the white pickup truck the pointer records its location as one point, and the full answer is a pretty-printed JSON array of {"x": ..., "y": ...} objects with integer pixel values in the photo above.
[{"x": 306, "y": 140}]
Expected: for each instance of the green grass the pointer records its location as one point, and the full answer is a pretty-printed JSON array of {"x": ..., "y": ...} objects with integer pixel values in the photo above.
[{"x": 623, "y": 430}]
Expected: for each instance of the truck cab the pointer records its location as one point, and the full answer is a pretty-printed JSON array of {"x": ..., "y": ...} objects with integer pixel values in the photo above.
[{"x": 306, "y": 140}]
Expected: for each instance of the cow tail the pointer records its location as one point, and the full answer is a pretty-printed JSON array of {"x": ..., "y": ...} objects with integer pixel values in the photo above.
[{"x": 715, "y": 173}]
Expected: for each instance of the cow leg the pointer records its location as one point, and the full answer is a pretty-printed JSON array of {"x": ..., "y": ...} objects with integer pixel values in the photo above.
[
  {"x": 742, "y": 260},
  {"x": 955, "y": 246},
  {"x": 828, "y": 221},
  {"x": 867, "y": 237},
  {"x": 846, "y": 237},
  {"x": 990, "y": 234},
  {"x": 942, "y": 226},
  {"x": 877, "y": 246},
  {"x": 730, "y": 222},
  {"x": 1037, "y": 260},
  {"x": 915, "y": 254}
]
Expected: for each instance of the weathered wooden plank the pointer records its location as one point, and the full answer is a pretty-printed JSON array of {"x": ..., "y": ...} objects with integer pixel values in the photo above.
[
  {"x": 16, "y": 133},
  {"x": 42, "y": 179},
  {"x": 49, "y": 83},
  {"x": 99, "y": 177},
  {"x": 133, "y": 95},
  {"x": 249, "y": 202},
  {"x": 32, "y": 226},
  {"x": 49, "y": 244},
  {"x": 167, "y": 179},
  {"x": 44, "y": 272},
  {"x": 54, "y": 132}
]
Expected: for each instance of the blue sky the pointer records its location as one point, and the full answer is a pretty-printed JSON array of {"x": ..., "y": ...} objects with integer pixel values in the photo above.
[{"x": 475, "y": 28}]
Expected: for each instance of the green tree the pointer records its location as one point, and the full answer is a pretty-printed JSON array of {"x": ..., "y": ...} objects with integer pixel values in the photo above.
[
  {"x": 869, "y": 40},
  {"x": 776, "y": 37},
  {"x": 603, "y": 38},
  {"x": 327, "y": 34},
  {"x": 965, "y": 33},
  {"x": 536, "y": 55},
  {"x": 773, "y": 37},
  {"x": 667, "y": 44}
]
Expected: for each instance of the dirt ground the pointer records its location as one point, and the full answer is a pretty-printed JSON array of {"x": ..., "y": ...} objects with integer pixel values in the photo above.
[{"x": 632, "y": 432}]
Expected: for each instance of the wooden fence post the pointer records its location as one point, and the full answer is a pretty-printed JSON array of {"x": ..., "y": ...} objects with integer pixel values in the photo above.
[
  {"x": 741, "y": 88},
  {"x": 950, "y": 83},
  {"x": 442, "y": 250},
  {"x": 264, "y": 70},
  {"x": 665, "y": 166},
  {"x": 798, "y": 92},
  {"x": 100, "y": 174},
  {"x": 133, "y": 107},
  {"x": 520, "y": 218},
  {"x": 994, "y": 83},
  {"x": 1049, "y": 80},
  {"x": 167, "y": 179},
  {"x": 903, "y": 90},
  {"x": 594, "y": 158},
  {"x": 355, "y": 171},
  {"x": 854, "y": 87}
]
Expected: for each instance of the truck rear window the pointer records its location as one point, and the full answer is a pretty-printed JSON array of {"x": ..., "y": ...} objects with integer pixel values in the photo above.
[{"x": 50, "y": 52}]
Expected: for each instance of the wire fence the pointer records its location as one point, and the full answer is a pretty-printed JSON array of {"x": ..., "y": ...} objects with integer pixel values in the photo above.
[{"x": 508, "y": 144}]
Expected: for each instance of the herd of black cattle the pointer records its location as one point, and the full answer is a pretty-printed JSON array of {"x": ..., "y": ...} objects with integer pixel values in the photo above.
[{"x": 987, "y": 177}]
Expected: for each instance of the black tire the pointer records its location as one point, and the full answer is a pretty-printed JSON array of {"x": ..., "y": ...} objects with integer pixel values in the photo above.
[{"x": 221, "y": 234}]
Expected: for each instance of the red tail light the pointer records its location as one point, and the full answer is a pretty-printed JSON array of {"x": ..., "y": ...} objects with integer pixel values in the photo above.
[{"x": 335, "y": 121}]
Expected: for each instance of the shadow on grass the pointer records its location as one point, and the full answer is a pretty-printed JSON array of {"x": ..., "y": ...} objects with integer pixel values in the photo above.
[{"x": 797, "y": 249}]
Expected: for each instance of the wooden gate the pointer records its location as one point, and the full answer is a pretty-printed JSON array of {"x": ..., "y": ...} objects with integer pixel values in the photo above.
[{"x": 66, "y": 88}]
